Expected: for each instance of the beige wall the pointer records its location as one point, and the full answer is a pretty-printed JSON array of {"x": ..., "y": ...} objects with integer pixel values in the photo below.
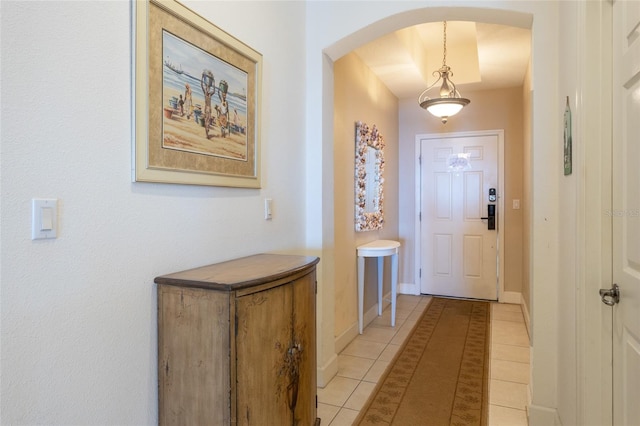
[
  {"x": 488, "y": 110},
  {"x": 359, "y": 96}
]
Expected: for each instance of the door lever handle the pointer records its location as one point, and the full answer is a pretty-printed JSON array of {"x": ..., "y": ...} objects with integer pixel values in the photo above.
[
  {"x": 610, "y": 296},
  {"x": 491, "y": 216}
]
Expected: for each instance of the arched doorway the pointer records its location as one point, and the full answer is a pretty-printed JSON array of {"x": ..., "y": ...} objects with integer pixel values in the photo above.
[{"x": 357, "y": 26}]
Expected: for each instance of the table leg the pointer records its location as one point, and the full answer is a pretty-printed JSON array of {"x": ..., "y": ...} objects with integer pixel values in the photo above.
[
  {"x": 360, "y": 292},
  {"x": 380, "y": 281},
  {"x": 394, "y": 287}
]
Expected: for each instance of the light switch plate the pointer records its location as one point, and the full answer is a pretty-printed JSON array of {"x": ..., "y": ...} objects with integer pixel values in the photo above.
[
  {"x": 267, "y": 209},
  {"x": 44, "y": 218}
]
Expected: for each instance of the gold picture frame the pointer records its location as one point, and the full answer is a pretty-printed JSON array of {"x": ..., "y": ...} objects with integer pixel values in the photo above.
[{"x": 196, "y": 98}]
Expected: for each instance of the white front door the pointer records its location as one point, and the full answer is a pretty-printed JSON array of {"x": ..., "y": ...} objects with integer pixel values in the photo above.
[
  {"x": 458, "y": 251},
  {"x": 626, "y": 212}
]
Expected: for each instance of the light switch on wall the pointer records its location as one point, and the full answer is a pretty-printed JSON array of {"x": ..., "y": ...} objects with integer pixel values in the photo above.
[
  {"x": 267, "y": 208},
  {"x": 516, "y": 204},
  {"x": 44, "y": 219}
]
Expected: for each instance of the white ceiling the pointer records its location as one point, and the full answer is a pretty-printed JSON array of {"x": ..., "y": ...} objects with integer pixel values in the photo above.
[{"x": 481, "y": 56}]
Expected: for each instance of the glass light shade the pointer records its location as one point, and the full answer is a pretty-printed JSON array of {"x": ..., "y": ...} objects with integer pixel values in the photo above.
[
  {"x": 444, "y": 107},
  {"x": 449, "y": 103},
  {"x": 444, "y": 110}
]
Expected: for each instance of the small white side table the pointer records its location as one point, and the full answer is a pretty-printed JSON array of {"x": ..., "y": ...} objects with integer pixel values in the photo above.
[{"x": 379, "y": 249}]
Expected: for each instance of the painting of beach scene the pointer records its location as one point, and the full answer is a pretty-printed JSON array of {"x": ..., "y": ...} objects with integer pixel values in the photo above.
[
  {"x": 204, "y": 102},
  {"x": 197, "y": 97}
]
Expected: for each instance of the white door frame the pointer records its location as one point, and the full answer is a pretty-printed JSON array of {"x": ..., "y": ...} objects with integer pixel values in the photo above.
[{"x": 418, "y": 238}]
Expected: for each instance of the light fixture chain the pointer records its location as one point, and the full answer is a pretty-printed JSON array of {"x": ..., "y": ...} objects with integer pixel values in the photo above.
[
  {"x": 449, "y": 101},
  {"x": 444, "y": 56}
]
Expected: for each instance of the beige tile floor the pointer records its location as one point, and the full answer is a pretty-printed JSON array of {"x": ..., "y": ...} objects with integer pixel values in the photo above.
[{"x": 365, "y": 359}]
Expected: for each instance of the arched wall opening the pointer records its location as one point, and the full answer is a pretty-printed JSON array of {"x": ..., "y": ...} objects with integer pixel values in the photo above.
[{"x": 542, "y": 19}]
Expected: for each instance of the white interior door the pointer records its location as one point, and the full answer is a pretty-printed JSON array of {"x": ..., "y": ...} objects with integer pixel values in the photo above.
[
  {"x": 458, "y": 251},
  {"x": 626, "y": 212}
]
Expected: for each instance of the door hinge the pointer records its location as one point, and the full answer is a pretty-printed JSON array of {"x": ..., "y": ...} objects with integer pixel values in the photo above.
[
  {"x": 420, "y": 217},
  {"x": 420, "y": 273},
  {"x": 316, "y": 287},
  {"x": 420, "y": 159}
]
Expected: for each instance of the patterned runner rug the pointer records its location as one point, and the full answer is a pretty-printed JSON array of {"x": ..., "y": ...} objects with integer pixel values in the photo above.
[{"x": 441, "y": 375}]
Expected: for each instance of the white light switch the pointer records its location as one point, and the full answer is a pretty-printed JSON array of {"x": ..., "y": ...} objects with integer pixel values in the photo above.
[
  {"x": 267, "y": 209},
  {"x": 516, "y": 204},
  {"x": 44, "y": 218},
  {"x": 47, "y": 219}
]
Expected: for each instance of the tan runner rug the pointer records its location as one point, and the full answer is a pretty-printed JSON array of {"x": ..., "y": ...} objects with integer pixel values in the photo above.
[{"x": 441, "y": 375}]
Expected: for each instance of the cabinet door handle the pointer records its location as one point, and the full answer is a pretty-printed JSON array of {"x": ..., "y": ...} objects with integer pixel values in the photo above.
[
  {"x": 292, "y": 391},
  {"x": 293, "y": 361}
]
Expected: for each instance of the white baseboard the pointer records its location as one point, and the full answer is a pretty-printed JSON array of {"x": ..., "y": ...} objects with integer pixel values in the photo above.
[
  {"x": 325, "y": 373},
  {"x": 345, "y": 338},
  {"x": 408, "y": 288},
  {"x": 543, "y": 416},
  {"x": 527, "y": 318},
  {"x": 511, "y": 297}
]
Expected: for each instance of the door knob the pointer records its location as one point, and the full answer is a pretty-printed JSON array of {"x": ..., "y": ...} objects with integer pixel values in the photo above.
[{"x": 610, "y": 296}]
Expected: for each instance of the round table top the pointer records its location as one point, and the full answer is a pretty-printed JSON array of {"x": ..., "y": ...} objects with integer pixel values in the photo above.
[{"x": 378, "y": 245}]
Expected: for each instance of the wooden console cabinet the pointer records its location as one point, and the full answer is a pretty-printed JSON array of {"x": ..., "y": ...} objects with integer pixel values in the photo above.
[{"x": 237, "y": 343}]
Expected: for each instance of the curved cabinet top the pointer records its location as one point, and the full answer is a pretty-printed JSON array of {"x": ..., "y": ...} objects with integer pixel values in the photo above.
[{"x": 243, "y": 273}]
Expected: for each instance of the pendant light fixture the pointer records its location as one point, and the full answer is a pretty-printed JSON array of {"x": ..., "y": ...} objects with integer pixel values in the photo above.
[{"x": 449, "y": 102}]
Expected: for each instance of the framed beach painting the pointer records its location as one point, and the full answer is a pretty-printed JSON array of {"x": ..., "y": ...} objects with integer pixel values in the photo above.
[{"x": 196, "y": 100}]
